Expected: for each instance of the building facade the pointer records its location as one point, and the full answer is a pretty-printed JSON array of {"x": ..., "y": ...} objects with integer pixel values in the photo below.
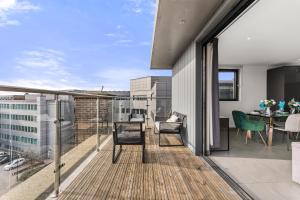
[
  {"x": 152, "y": 95},
  {"x": 27, "y": 124}
]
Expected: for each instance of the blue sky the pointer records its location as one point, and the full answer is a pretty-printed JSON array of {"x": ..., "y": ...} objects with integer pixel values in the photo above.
[
  {"x": 226, "y": 76},
  {"x": 84, "y": 44}
]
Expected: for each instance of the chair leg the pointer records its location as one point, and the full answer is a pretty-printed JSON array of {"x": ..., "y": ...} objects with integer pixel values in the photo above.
[
  {"x": 158, "y": 138},
  {"x": 113, "y": 154},
  {"x": 288, "y": 141},
  {"x": 248, "y": 135},
  {"x": 283, "y": 134},
  {"x": 115, "y": 157},
  {"x": 143, "y": 153},
  {"x": 262, "y": 138},
  {"x": 181, "y": 139}
]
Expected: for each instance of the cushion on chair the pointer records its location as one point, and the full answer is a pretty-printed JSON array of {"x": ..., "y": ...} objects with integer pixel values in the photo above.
[
  {"x": 173, "y": 118},
  {"x": 129, "y": 137},
  {"x": 137, "y": 119}
]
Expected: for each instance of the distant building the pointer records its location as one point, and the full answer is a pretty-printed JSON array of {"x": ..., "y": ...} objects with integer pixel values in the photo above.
[
  {"x": 27, "y": 123},
  {"x": 86, "y": 111},
  {"x": 227, "y": 89},
  {"x": 158, "y": 91}
]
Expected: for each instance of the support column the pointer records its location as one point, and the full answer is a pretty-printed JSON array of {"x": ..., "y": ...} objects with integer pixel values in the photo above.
[{"x": 57, "y": 146}]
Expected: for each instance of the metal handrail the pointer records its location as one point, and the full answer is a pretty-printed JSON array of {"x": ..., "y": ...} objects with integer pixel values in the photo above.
[
  {"x": 45, "y": 91},
  {"x": 77, "y": 94}
]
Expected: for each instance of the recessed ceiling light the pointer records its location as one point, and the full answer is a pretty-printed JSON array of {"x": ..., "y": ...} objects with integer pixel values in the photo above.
[
  {"x": 249, "y": 38},
  {"x": 182, "y": 21}
]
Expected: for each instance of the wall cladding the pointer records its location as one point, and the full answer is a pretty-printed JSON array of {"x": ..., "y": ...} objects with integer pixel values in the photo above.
[{"x": 184, "y": 91}]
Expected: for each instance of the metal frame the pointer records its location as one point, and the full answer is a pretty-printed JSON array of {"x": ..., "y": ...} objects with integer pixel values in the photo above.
[
  {"x": 227, "y": 20},
  {"x": 175, "y": 133},
  {"x": 57, "y": 146},
  {"x": 241, "y": 7},
  {"x": 116, "y": 142}
]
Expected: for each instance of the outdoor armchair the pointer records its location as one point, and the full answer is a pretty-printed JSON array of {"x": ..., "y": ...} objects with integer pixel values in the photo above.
[
  {"x": 175, "y": 125},
  {"x": 128, "y": 133}
]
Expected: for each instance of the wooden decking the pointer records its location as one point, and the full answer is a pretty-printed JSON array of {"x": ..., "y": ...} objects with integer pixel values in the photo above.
[{"x": 169, "y": 173}]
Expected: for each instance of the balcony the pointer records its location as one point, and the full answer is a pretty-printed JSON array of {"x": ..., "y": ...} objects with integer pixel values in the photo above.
[
  {"x": 74, "y": 160},
  {"x": 169, "y": 173}
]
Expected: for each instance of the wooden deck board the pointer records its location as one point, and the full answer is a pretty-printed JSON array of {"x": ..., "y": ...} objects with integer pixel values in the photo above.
[{"x": 169, "y": 173}]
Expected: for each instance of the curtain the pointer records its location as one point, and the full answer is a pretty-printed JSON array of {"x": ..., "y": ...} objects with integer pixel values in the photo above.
[{"x": 212, "y": 96}]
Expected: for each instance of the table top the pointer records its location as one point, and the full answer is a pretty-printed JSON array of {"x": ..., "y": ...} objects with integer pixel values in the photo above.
[{"x": 273, "y": 115}]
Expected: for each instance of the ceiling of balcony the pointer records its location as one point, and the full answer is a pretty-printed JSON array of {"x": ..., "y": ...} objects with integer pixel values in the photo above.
[{"x": 177, "y": 24}]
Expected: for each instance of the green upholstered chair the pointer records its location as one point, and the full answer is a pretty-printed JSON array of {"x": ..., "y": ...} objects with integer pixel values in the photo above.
[{"x": 243, "y": 123}]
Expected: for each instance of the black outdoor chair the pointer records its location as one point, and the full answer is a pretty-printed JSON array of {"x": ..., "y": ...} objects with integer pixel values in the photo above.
[
  {"x": 164, "y": 127},
  {"x": 128, "y": 133}
]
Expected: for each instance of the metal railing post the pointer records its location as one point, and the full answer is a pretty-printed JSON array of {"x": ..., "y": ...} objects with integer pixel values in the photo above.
[
  {"x": 97, "y": 121},
  {"x": 112, "y": 110},
  {"x": 57, "y": 146},
  {"x": 147, "y": 119}
]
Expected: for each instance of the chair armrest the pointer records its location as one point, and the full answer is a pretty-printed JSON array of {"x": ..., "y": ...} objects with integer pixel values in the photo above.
[
  {"x": 179, "y": 124},
  {"x": 170, "y": 122}
]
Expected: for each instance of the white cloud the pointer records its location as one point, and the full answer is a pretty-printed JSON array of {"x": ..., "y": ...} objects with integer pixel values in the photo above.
[
  {"x": 44, "y": 83},
  {"x": 144, "y": 43},
  {"x": 124, "y": 41},
  {"x": 9, "y": 8},
  {"x": 49, "y": 61},
  {"x": 115, "y": 35},
  {"x": 46, "y": 69},
  {"x": 140, "y": 6}
]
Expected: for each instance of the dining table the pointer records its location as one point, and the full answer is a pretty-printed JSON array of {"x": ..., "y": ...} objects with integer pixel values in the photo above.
[{"x": 270, "y": 119}]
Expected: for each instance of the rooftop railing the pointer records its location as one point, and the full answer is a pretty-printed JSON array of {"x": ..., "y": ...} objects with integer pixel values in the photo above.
[{"x": 54, "y": 134}]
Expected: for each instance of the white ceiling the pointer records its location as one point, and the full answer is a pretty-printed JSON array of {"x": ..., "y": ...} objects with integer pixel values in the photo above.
[
  {"x": 268, "y": 34},
  {"x": 177, "y": 24}
]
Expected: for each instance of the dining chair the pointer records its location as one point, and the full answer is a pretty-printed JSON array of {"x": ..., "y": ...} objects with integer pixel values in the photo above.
[
  {"x": 243, "y": 123},
  {"x": 292, "y": 126},
  {"x": 237, "y": 120}
]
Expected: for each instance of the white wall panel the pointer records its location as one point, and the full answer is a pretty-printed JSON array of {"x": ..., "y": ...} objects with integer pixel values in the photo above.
[{"x": 184, "y": 92}]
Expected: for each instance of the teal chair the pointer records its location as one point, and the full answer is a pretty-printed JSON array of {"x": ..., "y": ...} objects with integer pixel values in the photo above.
[{"x": 243, "y": 123}]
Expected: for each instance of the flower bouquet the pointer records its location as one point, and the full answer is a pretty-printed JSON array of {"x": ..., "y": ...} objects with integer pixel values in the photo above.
[
  {"x": 293, "y": 105},
  {"x": 268, "y": 104}
]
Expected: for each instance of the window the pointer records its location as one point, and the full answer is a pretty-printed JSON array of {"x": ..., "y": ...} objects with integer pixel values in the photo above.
[{"x": 228, "y": 84}]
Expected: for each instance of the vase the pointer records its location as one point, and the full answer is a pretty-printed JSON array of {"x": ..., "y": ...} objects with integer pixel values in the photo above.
[{"x": 268, "y": 111}]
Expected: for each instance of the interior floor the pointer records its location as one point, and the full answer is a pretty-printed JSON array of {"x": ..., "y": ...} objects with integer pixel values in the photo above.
[
  {"x": 265, "y": 172},
  {"x": 255, "y": 147}
]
